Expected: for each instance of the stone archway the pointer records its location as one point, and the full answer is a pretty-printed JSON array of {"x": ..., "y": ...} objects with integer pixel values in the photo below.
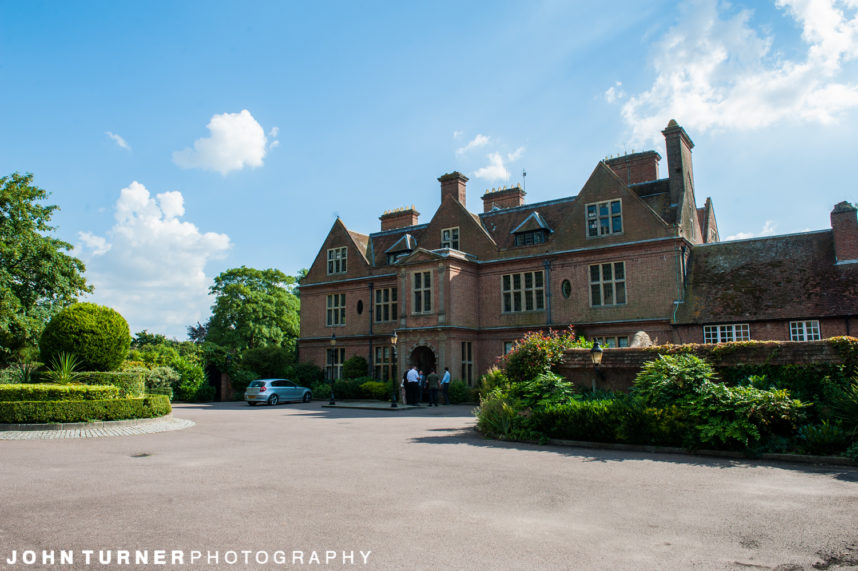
[{"x": 424, "y": 358}]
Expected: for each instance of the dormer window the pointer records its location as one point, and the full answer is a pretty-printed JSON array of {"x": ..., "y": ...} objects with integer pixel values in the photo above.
[
  {"x": 401, "y": 248},
  {"x": 533, "y": 230},
  {"x": 604, "y": 218},
  {"x": 337, "y": 258},
  {"x": 530, "y": 238},
  {"x": 450, "y": 238}
]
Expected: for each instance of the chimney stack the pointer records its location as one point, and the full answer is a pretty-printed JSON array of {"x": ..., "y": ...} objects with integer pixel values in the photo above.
[
  {"x": 844, "y": 223},
  {"x": 399, "y": 218},
  {"x": 637, "y": 167},
  {"x": 453, "y": 184},
  {"x": 503, "y": 198},
  {"x": 681, "y": 176}
]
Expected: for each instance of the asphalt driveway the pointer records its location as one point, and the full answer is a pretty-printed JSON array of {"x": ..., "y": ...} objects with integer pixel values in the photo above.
[{"x": 299, "y": 485}]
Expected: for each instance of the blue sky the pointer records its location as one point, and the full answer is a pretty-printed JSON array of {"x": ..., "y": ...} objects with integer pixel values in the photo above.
[{"x": 183, "y": 138}]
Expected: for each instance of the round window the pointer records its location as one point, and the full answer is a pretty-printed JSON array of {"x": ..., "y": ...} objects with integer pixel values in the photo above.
[
  {"x": 566, "y": 289},
  {"x": 360, "y": 306}
]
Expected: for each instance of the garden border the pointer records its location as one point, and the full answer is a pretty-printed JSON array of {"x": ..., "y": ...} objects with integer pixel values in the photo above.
[{"x": 83, "y": 425}]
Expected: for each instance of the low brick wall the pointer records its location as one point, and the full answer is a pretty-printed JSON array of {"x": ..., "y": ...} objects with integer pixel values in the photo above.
[{"x": 620, "y": 366}]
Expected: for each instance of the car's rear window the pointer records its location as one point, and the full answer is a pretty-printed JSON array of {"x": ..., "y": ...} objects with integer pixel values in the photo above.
[{"x": 257, "y": 383}]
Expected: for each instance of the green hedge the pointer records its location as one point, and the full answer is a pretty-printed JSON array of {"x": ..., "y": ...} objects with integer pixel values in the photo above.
[
  {"x": 25, "y": 412},
  {"x": 53, "y": 392},
  {"x": 129, "y": 383}
]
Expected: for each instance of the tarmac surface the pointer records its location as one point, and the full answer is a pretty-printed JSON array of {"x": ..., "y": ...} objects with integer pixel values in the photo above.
[{"x": 305, "y": 485}]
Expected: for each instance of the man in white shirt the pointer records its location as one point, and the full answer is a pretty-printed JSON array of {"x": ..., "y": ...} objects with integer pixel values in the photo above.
[
  {"x": 411, "y": 385},
  {"x": 445, "y": 385}
]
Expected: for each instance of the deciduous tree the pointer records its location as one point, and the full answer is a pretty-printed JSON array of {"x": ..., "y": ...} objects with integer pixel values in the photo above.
[
  {"x": 37, "y": 276},
  {"x": 253, "y": 308}
]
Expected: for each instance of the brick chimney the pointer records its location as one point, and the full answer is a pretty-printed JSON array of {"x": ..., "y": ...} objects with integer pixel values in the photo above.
[
  {"x": 637, "y": 167},
  {"x": 454, "y": 184},
  {"x": 680, "y": 174},
  {"x": 503, "y": 198},
  {"x": 844, "y": 223},
  {"x": 399, "y": 218}
]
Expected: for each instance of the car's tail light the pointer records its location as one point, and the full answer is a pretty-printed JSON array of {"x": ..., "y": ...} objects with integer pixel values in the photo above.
[{"x": 262, "y": 389}]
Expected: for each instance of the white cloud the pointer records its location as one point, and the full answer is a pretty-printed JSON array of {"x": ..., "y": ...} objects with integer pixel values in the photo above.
[
  {"x": 768, "y": 230},
  {"x": 457, "y": 134},
  {"x": 714, "y": 70},
  {"x": 97, "y": 244},
  {"x": 615, "y": 93},
  {"x": 150, "y": 266},
  {"x": 236, "y": 141},
  {"x": 476, "y": 142},
  {"x": 118, "y": 140},
  {"x": 515, "y": 155},
  {"x": 495, "y": 170}
]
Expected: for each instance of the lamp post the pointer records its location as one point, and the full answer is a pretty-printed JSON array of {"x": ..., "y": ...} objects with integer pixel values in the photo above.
[
  {"x": 333, "y": 346},
  {"x": 596, "y": 356},
  {"x": 393, "y": 370}
]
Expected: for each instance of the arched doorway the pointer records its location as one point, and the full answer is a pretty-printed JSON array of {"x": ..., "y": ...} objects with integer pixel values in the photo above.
[{"x": 424, "y": 358}]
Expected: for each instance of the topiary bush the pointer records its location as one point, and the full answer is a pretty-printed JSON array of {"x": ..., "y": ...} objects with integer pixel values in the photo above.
[
  {"x": 355, "y": 367},
  {"x": 98, "y": 337}
]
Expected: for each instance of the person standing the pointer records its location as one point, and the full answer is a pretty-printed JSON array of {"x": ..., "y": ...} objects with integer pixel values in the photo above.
[
  {"x": 421, "y": 380},
  {"x": 445, "y": 385},
  {"x": 434, "y": 385},
  {"x": 411, "y": 385}
]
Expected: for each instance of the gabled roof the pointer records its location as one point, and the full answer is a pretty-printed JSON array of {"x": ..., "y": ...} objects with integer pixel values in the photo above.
[
  {"x": 533, "y": 222},
  {"x": 780, "y": 277}
]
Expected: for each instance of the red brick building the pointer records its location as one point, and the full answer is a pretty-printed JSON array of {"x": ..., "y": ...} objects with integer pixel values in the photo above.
[{"x": 631, "y": 252}]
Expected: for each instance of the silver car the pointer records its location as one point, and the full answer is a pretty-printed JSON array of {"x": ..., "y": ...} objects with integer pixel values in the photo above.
[{"x": 273, "y": 391}]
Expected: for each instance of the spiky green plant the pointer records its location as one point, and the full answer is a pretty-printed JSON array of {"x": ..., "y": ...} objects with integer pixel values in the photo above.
[{"x": 64, "y": 369}]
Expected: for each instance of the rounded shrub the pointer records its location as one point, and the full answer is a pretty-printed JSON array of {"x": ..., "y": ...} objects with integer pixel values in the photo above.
[
  {"x": 98, "y": 336},
  {"x": 355, "y": 367}
]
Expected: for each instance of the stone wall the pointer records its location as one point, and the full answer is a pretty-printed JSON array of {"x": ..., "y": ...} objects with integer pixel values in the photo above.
[{"x": 620, "y": 366}]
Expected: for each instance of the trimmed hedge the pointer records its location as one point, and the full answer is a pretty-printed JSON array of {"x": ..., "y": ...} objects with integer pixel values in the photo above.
[
  {"x": 25, "y": 412},
  {"x": 52, "y": 392},
  {"x": 129, "y": 383}
]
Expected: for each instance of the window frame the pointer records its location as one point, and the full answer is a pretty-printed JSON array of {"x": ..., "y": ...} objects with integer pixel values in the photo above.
[
  {"x": 421, "y": 297},
  {"x": 613, "y": 341},
  {"x": 599, "y": 224},
  {"x": 530, "y": 238},
  {"x": 335, "y": 356},
  {"x": 468, "y": 362},
  {"x": 383, "y": 365},
  {"x": 611, "y": 281},
  {"x": 338, "y": 260},
  {"x": 718, "y": 333},
  {"x": 335, "y": 310},
  {"x": 388, "y": 308},
  {"x": 452, "y": 239},
  {"x": 805, "y": 330},
  {"x": 524, "y": 295}
]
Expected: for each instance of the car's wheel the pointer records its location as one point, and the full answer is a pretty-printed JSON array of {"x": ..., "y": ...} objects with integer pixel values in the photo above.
[
  {"x": 273, "y": 400},
  {"x": 251, "y": 403},
  {"x": 308, "y": 396}
]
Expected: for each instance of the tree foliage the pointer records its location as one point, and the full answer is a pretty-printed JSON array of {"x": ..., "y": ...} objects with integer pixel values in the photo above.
[
  {"x": 253, "y": 308},
  {"x": 96, "y": 335},
  {"x": 37, "y": 277}
]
